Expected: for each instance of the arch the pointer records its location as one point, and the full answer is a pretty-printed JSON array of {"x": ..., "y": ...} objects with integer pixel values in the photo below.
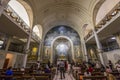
[
  {"x": 23, "y": 10},
  {"x": 73, "y": 57},
  {"x": 38, "y": 30},
  {"x": 95, "y": 10},
  {"x": 56, "y": 29},
  {"x": 105, "y": 9}
]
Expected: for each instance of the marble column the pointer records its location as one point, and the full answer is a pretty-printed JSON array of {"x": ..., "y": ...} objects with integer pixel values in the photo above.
[
  {"x": 26, "y": 50},
  {"x": 3, "y": 4},
  {"x": 85, "y": 51},
  {"x": 84, "y": 43},
  {"x": 39, "y": 51},
  {"x": 99, "y": 47},
  {"x": 118, "y": 39},
  {"x": 8, "y": 43}
]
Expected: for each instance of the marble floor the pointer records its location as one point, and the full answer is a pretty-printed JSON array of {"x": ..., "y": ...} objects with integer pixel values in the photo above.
[{"x": 67, "y": 77}]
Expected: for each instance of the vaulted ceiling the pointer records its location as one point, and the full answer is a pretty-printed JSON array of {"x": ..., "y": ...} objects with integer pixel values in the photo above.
[{"x": 74, "y": 13}]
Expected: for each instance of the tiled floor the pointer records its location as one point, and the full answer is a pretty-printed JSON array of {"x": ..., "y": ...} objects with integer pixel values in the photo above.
[{"x": 67, "y": 77}]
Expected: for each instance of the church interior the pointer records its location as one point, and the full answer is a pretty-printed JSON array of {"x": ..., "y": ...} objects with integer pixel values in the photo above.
[{"x": 60, "y": 39}]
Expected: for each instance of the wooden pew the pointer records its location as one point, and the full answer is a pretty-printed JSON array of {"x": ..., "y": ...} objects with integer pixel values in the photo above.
[
  {"x": 2, "y": 77},
  {"x": 44, "y": 74},
  {"x": 42, "y": 78},
  {"x": 97, "y": 74},
  {"x": 95, "y": 77},
  {"x": 115, "y": 74}
]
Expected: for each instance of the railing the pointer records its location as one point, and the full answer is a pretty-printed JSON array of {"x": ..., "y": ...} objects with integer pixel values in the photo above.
[
  {"x": 110, "y": 48},
  {"x": 20, "y": 21},
  {"x": 88, "y": 35},
  {"x": 35, "y": 36},
  {"x": 17, "y": 18},
  {"x": 106, "y": 19}
]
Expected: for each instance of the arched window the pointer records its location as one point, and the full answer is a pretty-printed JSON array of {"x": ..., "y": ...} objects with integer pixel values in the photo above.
[
  {"x": 38, "y": 30},
  {"x": 20, "y": 10}
]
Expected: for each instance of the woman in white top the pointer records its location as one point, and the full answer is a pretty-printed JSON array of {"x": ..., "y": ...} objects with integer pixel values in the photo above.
[
  {"x": 69, "y": 68},
  {"x": 87, "y": 73},
  {"x": 118, "y": 67}
]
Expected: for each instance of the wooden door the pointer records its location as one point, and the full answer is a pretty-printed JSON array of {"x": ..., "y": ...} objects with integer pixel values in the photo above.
[{"x": 6, "y": 63}]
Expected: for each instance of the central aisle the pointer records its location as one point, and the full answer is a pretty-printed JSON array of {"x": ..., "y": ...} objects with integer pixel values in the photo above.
[{"x": 67, "y": 77}]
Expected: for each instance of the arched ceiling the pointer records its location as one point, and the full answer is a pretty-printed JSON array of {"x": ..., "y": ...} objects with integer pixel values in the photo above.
[{"x": 74, "y": 13}]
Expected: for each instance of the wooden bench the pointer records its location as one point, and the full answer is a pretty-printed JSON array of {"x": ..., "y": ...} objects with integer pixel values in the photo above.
[
  {"x": 115, "y": 73},
  {"x": 44, "y": 74},
  {"x": 95, "y": 77},
  {"x": 42, "y": 78},
  {"x": 97, "y": 73},
  {"x": 3, "y": 77}
]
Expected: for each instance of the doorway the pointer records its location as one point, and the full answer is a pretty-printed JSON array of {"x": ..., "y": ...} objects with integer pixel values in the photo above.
[{"x": 6, "y": 63}]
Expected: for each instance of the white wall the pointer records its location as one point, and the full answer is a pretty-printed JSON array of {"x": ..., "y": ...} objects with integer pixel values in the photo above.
[
  {"x": 19, "y": 61},
  {"x": 114, "y": 56},
  {"x": 13, "y": 56},
  {"x": 2, "y": 58}
]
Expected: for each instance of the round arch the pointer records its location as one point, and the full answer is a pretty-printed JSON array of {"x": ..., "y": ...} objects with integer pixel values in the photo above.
[
  {"x": 95, "y": 10},
  {"x": 23, "y": 10},
  {"x": 103, "y": 9},
  {"x": 38, "y": 30},
  {"x": 71, "y": 43}
]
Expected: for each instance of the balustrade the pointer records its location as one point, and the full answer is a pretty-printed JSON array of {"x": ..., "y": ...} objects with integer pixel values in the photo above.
[
  {"x": 107, "y": 18},
  {"x": 10, "y": 12}
]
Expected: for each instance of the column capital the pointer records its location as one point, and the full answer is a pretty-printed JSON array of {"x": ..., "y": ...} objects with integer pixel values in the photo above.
[
  {"x": 99, "y": 50},
  {"x": 27, "y": 51}
]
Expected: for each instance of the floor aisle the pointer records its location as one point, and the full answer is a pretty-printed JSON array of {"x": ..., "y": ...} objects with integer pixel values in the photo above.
[{"x": 67, "y": 77}]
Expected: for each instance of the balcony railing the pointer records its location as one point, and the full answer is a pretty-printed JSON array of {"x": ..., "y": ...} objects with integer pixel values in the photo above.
[
  {"x": 10, "y": 12},
  {"x": 106, "y": 19},
  {"x": 35, "y": 36},
  {"x": 88, "y": 35},
  {"x": 110, "y": 48},
  {"x": 17, "y": 18}
]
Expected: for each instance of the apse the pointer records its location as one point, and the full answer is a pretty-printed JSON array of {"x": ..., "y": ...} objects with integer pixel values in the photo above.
[
  {"x": 62, "y": 49},
  {"x": 62, "y": 43}
]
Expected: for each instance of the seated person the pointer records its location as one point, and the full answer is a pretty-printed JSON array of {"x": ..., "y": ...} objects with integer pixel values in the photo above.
[
  {"x": 22, "y": 69},
  {"x": 90, "y": 69},
  {"x": 118, "y": 66},
  {"x": 87, "y": 73},
  {"x": 9, "y": 71},
  {"x": 31, "y": 70},
  {"x": 108, "y": 69},
  {"x": 109, "y": 75},
  {"x": 39, "y": 71},
  {"x": 46, "y": 70}
]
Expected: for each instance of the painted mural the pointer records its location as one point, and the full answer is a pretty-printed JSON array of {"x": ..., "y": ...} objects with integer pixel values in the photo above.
[
  {"x": 62, "y": 31},
  {"x": 62, "y": 46}
]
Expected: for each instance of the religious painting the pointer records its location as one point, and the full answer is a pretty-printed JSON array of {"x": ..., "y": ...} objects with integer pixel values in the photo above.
[
  {"x": 62, "y": 31},
  {"x": 47, "y": 51}
]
